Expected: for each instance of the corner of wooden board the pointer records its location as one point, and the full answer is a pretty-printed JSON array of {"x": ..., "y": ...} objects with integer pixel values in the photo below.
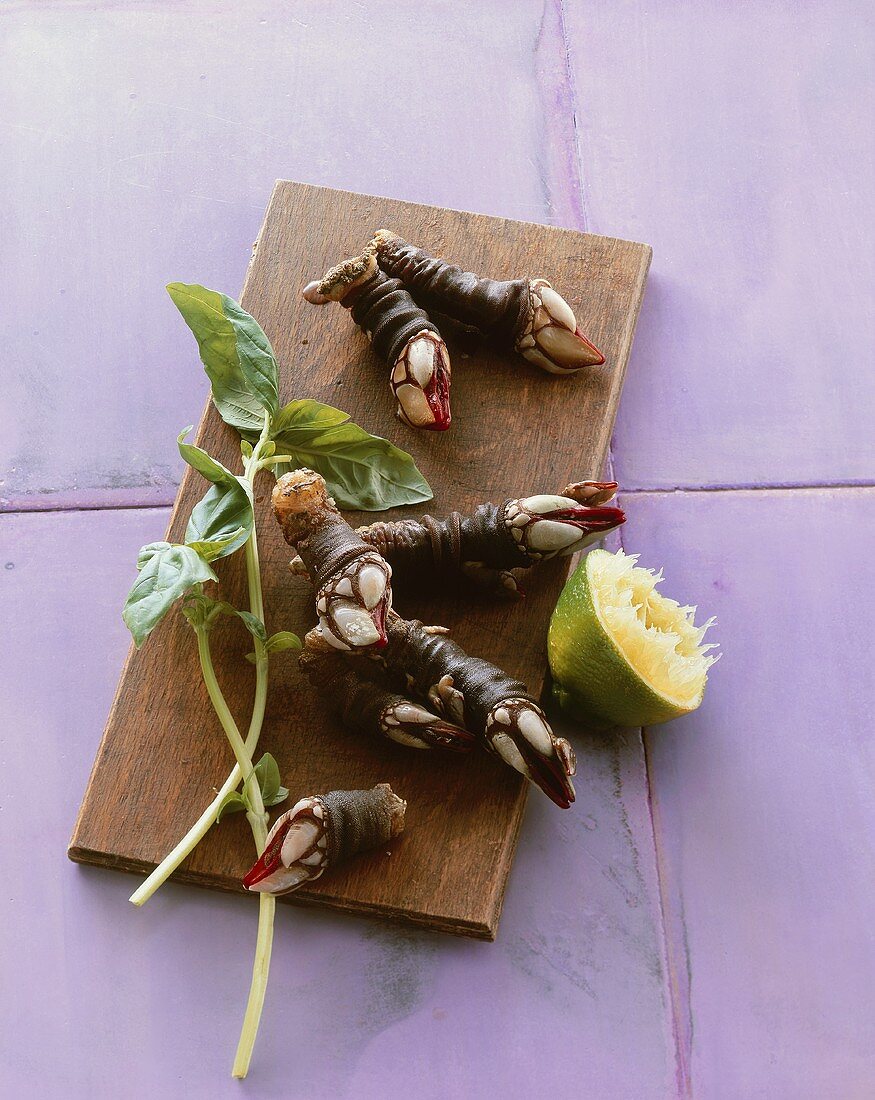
[{"x": 77, "y": 854}]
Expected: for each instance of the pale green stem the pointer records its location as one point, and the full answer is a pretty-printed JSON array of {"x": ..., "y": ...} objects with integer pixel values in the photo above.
[
  {"x": 258, "y": 987},
  {"x": 208, "y": 818},
  {"x": 257, "y": 816},
  {"x": 189, "y": 842},
  {"x": 258, "y": 821},
  {"x": 275, "y": 460},
  {"x": 243, "y": 752}
]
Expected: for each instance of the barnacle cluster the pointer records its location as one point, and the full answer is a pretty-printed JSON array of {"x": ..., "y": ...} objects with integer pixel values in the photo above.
[
  {"x": 393, "y": 286},
  {"x": 458, "y": 699}
]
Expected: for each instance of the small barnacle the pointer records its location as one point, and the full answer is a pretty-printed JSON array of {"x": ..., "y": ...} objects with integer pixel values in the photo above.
[
  {"x": 353, "y": 590},
  {"x": 494, "y": 539},
  {"x": 526, "y": 314},
  {"x": 401, "y": 333},
  {"x": 322, "y": 830}
]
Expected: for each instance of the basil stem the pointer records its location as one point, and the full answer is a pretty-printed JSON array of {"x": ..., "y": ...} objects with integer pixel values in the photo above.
[
  {"x": 256, "y": 814},
  {"x": 243, "y": 751},
  {"x": 207, "y": 819},
  {"x": 258, "y": 986}
]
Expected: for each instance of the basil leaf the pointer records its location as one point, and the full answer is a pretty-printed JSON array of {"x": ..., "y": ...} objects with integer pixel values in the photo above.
[
  {"x": 199, "y": 460},
  {"x": 362, "y": 470},
  {"x": 222, "y": 520},
  {"x": 283, "y": 639},
  {"x": 282, "y": 793},
  {"x": 306, "y": 415},
  {"x": 268, "y": 774},
  {"x": 148, "y": 551},
  {"x": 199, "y": 608},
  {"x": 232, "y": 803},
  {"x": 254, "y": 625},
  {"x": 254, "y": 353},
  {"x": 210, "y": 549},
  {"x": 225, "y": 510},
  {"x": 235, "y": 352},
  {"x": 167, "y": 575}
]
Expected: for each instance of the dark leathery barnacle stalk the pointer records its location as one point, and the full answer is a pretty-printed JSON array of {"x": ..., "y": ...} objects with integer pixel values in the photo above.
[
  {"x": 401, "y": 334},
  {"x": 526, "y": 314},
  {"x": 352, "y": 580},
  {"x": 357, "y": 691},
  {"x": 494, "y": 706},
  {"x": 495, "y": 539},
  {"x": 322, "y": 830}
]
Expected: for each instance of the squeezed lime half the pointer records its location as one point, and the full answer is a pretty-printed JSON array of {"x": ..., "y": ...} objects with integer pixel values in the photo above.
[{"x": 621, "y": 653}]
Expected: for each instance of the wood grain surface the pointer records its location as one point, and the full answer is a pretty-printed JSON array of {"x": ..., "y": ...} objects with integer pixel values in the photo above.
[{"x": 515, "y": 431}]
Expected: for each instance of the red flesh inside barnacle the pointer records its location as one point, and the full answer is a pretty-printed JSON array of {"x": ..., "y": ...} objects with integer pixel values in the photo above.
[
  {"x": 269, "y": 860},
  {"x": 444, "y": 735},
  {"x": 592, "y": 520},
  {"x": 548, "y": 773},
  {"x": 408, "y": 376},
  {"x": 534, "y": 750},
  {"x": 437, "y": 393},
  {"x": 378, "y": 615}
]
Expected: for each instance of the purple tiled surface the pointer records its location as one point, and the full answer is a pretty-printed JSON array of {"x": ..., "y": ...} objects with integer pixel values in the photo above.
[
  {"x": 763, "y": 805},
  {"x": 738, "y": 141},
  {"x": 699, "y": 925}
]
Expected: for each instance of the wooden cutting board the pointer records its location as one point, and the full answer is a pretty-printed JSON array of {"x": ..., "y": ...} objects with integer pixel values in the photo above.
[{"x": 516, "y": 431}]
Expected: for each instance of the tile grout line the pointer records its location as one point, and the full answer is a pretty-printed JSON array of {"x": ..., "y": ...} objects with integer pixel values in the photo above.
[
  {"x": 27, "y": 508},
  {"x": 671, "y": 986},
  {"x": 750, "y": 487},
  {"x": 575, "y": 130},
  {"x": 682, "y": 1037},
  {"x": 78, "y": 508}
]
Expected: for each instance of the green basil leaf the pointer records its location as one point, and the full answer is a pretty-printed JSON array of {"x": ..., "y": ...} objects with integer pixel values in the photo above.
[
  {"x": 205, "y": 464},
  {"x": 210, "y": 549},
  {"x": 282, "y": 793},
  {"x": 254, "y": 353},
  {"x": 254, "y": 625},
  {"x": 148, "y": 551},
  {"x": 306, "y": 415},
  {"x": 232, "y": 803},
  {"x": 222, "y": 521},
  {"x": 224, "y": 511},
  {"x": 167, "y": 575},
  {"x": 235, "y": 352},
  {"x": 362, "y": 470},
  {"x": 283, "y": 639},
  {"x": 268, "y": 774},
  {"x": 198, "y": 608}
]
